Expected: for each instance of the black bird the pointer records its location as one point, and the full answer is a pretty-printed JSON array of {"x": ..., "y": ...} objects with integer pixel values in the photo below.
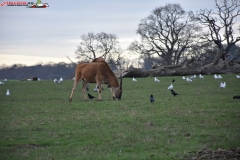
[
  {"x": 173, "y": 80},
  {"x": 90, "y": 96},
  {"x": 151, "y": 98},
  {"x": 174, "y": 93},
  {"x": 236, "y": 97}
]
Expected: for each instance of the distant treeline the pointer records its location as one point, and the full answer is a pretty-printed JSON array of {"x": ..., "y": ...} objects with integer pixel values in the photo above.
[{"x": 47, "y": 71}]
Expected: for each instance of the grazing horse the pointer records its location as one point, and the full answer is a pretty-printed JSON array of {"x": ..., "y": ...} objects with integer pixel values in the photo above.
[{"x": 97, "y": 72}]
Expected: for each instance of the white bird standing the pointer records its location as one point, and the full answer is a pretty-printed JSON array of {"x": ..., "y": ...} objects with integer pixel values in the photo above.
[
  {"x": 219, "y": 77},
  {"x": 39, "y": 79},
  {"x": 188, "y": 79},
  {"x": 170, "y": 87},
  {"x": 95, "y": 89},
  {"x": 61, "y": 79},
  {"x": 201, "y": 76},
  {"x": 156, "y": 80},
  {"x": 183, "y": 78},
  {"x": 1, "y": 82},
  {"x": 222, "y": 85},
  {"x": 215, "y": 76},
  {"x": 134, "y": 80},
  {"x": 237, "y": 76},
  {"x": 194, "y": 76},
  {"x": 56, "y": 81},
  {"x": 8, "y": 92}
]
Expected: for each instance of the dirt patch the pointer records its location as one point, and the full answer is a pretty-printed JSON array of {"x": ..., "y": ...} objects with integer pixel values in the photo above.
[{"x": 233, "y": 154}]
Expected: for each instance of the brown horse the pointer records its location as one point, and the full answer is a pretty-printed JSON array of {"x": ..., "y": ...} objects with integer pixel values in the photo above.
[{"x": 97, "y": 72}]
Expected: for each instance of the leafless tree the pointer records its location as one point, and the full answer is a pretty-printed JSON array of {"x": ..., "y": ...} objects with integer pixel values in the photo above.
[
  {"x": 220, "y": 24},
  {"x": 97, "y": 45},
  {"x": 166, "y": 33}
]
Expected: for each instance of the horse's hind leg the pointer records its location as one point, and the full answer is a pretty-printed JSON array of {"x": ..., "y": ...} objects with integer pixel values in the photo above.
[
  {"x": 77, "y": 79},
  {"x": 99, "y": 90},
  {"x": 84, "y": 87}
]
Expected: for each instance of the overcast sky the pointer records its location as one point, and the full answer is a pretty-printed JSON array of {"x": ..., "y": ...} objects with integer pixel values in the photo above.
[{"x": 29, "y": 36}]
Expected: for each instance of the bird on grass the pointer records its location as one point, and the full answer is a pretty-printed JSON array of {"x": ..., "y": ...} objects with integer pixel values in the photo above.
[
  {"x": 201, "y": 76},
  {"x": 215, "y": 76},
  {"x": 237, "y": 76},
  {"x": 95, "y": 89},
  {"x": 170, "y": 87},
  {"x": 189, "y": 79},
  {"x": 56, "y": 81},
  {"x": 156, "y": 80},
  {"x": 7, "y": 93},
  {"x": 151, "y": 98},
  {"x": 174, "y": 93},
  {"x": 134, "y": 80},
  {"x": 236, "y": 97},
  {"x": 222, "y": 85},
  {"x": 90, "y": 96}
]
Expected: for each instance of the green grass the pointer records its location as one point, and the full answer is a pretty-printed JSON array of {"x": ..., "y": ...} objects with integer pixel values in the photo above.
[{"x": 38, "y": 122}]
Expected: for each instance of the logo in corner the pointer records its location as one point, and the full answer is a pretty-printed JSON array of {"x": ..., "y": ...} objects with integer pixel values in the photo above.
[{"x": 39, "y": 4}]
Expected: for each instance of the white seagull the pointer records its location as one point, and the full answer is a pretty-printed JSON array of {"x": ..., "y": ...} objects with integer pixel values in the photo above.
[
  {"x": 170, "y": 87},
  {"x": 201, "y": 76},
  {"x": 194, "y": 76},
  {"x": 95, "y": 89},
  {"x": 39, "y": 79},
  {"x": 56, "y": 81},
  {"x": 134, "y": 80},
  {"x": 219, "y": 77},
  {"x": 237, "y": 76},
  {"x": 7, "y": 93},
  {"x": 61, "y": 79},
  {"x": 1, "y": 82},
  {"x": 183, "y": 77},
  {"x": 222, "y": 85},
  {"x": 188, "y": 79},
  {"x": 156, "y": 80},
  {"x": 215, "y": 76}
]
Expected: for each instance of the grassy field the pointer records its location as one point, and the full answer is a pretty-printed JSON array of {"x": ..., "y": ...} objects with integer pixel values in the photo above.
[{"x": 38, "y": 122}]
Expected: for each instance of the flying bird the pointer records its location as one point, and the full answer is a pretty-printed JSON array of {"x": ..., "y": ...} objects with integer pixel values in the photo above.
[
  {"x": 170, "y": 87},
  {"x": 236, "y": 97},
  {"x": 8, "y": 92},
  {"x": 90, "y": 96},
  {"x": 201, "y": 76},
  {"x": 174, "y": 93},
  {"x": 134, "y": 80},
  {"x": 156, "y": 80},
  {"x": 173, "y": 80},
  {"x": 151, "y": 98},
  {"x": 222, "y": 85}
]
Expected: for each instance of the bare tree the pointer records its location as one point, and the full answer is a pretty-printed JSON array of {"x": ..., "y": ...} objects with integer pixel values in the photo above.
[
  {"x": 220, "y": 24},
  {"x": 97, "y": 45},
  {"x": 166, "y": 33}
]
